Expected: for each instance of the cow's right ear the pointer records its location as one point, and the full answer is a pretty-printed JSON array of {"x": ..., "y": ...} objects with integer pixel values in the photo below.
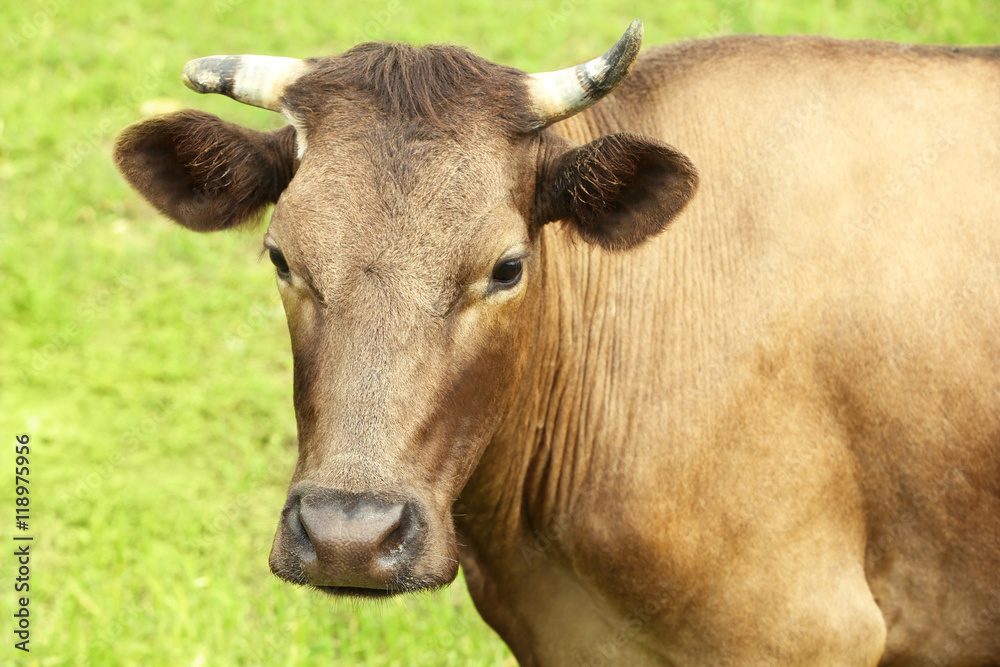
[{"x": 203, "y": 172}]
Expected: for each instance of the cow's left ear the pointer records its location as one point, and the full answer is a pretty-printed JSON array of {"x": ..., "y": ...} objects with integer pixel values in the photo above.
[{"x": 617, "y": 191}]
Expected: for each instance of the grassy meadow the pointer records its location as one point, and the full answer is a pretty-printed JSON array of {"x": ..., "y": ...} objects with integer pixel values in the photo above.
[{"x": 150, "y": 365}]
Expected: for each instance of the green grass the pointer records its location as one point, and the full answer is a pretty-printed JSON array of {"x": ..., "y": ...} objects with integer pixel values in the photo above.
[{"x": 151, "y": 365}]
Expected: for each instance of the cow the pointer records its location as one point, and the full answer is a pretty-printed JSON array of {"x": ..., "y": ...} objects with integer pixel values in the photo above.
[{"x": 738, "y": 405}]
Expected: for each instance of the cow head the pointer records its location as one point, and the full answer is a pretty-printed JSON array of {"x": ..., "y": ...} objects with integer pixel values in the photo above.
[{"x": 410, "y": 188}]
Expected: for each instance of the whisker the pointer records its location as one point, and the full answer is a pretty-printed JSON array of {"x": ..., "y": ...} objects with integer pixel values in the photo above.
[{"x": 445, "y": 557}]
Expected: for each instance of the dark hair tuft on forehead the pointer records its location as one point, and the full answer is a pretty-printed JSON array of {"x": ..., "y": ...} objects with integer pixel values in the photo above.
[{"x": 416, "y": 83}]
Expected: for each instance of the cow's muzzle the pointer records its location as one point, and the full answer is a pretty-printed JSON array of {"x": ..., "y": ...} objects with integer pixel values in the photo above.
[{"x": 360, "y": 544}]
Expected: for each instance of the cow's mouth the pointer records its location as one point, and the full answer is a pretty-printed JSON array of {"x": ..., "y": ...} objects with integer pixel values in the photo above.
[
  {"x": 386, "y": 591},
  {"x": 356, "y": 592}
]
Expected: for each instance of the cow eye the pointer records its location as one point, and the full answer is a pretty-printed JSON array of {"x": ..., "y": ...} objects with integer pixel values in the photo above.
[
  {"x": 507, "y": 274},
  {"x": 280, "y": 265}
]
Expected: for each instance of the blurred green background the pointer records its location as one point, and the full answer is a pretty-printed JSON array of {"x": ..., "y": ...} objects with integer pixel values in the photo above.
[{"x": 150, "y": 365}]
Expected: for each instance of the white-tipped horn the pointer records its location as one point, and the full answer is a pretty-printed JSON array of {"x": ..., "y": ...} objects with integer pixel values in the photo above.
[
  {"x": 559, "y": 95},
  {"x": 256, "y": 80}
]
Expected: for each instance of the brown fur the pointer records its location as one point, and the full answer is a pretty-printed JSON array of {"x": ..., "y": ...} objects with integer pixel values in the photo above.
[
  {"x": 414, "y": 83},
  {"x": 594, "y": 183},
  {"x": 770, "y": 435},
  {"x": 203, "y": 172}
]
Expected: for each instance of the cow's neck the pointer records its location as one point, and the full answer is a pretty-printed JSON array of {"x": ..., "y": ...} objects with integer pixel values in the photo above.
[{"x": 569, "y": 437}]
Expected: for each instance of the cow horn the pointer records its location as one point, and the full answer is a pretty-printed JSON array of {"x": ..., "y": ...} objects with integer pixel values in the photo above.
[
  {"x": 256, "y": 80},
  {"x": 559, "y": 95}
]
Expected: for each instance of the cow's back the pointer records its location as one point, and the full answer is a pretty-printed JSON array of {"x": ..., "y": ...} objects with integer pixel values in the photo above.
[{"x": 812, "y": 350}]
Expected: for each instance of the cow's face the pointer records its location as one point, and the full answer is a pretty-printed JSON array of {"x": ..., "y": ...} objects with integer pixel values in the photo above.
[
  {"x": 405, "y": 257},
  {"x": 410, "y": 194}
]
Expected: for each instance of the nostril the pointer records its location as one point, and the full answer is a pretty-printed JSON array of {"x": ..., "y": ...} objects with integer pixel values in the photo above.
[
  {"x": 297, "y": 530},
  {"x": 399, "y": 533}
]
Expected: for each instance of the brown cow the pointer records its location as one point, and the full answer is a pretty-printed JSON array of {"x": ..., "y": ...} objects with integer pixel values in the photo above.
[{"x": 769, "y": 435}]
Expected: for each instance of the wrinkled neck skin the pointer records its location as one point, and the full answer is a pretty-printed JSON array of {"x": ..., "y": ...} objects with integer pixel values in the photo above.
[{"x": 517, "y": 515}]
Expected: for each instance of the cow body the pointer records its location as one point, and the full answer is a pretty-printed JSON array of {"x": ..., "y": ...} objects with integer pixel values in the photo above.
[
  {"x": 768, "y": 435},
  {"x": 771, "y": 435}
]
